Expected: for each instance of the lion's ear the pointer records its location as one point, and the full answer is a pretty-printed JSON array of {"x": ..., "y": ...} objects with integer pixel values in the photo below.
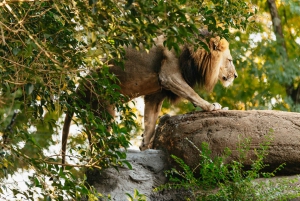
[
  {"x": 213, "y": 43},
  {"x": 223, "y": 45},
  {"x": 217, "y": 44}
]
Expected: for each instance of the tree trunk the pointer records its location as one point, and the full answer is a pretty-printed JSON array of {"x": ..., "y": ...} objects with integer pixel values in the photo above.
[
  {"x": 223, "y": 129},
  {"x": 277, "y": 26},
  {"x": 293, "y": 92}
]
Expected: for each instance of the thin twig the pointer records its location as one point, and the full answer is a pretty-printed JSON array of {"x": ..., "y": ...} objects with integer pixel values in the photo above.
[
  {"x": 16, "y": 83},
  {"x": 2, "y": 34}
]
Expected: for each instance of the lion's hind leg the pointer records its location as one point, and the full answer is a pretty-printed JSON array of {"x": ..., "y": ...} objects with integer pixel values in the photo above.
[{"x": 153, "y": 105}]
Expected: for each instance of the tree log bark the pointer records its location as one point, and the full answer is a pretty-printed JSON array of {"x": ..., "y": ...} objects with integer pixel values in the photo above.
[{"x": 223, "y": 129}]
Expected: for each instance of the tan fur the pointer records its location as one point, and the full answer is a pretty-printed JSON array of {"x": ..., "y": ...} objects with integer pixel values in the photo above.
[{"x": 160, "y": 74}]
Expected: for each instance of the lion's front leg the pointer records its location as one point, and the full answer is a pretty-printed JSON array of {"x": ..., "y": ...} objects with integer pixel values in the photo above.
[
  {"x": 171, "y": 79},
  {"x": 153, "y": 105}
]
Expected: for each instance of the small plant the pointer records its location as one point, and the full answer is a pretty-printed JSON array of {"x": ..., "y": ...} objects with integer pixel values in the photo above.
[
  {"x": 229, "y": 181},
  {"x": 137, "y": 196}
]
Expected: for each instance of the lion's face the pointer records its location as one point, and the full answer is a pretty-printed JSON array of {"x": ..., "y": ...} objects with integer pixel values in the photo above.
[{"x": 227, "y": 71}]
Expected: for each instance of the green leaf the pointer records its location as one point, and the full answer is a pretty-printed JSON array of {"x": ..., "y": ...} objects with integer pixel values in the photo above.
[
  {"x": 48, "y": 198},
  {"x": 17, "y": 94},
  {"x": 128, "y": 164},
  {"x": 36, "y": 182},
  {"x": 182, "y": 31},
  {"x": 16, "y": 50},
  {"x": 204, "y": 45},
  {"x": 29, "y": 88},
  {"x": 209, "y": 12},
  {"x": 122, "y": 155},
  {"x": 175, "y": 29},
  {"x": 68, "y": 167}
]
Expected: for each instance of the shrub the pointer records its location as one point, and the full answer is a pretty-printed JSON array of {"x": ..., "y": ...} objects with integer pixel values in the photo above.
[{"x": 230, "y": 181}]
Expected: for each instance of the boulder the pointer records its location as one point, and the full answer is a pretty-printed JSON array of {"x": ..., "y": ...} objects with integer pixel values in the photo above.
[
  {"x": 221, "y": 129},
  {"x": 147, "y": 173}
]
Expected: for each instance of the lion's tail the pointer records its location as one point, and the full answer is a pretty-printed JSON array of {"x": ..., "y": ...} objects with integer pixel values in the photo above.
[{"x": 65, "y": 134}]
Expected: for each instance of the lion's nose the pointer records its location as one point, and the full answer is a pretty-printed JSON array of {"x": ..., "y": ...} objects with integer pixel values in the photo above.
[{"x": 235, "y": 75}]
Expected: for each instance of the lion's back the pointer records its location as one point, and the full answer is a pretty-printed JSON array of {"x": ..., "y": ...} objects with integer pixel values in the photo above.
[{"x": 140, "y": 74}]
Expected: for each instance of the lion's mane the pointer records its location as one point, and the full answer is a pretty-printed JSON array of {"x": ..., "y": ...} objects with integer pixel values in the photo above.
[{"x": 196, "y": 68}]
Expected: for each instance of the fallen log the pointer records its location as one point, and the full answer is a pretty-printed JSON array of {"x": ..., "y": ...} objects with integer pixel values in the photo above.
[{"x": 221, "y": 129}]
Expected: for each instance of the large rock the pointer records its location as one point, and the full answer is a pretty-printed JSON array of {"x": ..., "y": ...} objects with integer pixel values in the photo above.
[
  {"x": 147, "y": 173},
  {"x": 223, "y": 129},
  {"x": 220, "y": 129}
]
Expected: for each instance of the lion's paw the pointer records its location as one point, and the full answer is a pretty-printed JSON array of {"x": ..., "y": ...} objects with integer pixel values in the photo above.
[
  {"x": 217, "y": 106},
  {"x": 144, "y": 146},
  {"x": 225, "y": 108}
]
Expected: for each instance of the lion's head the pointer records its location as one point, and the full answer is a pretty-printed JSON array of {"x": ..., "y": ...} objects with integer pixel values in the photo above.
[
  {"x": 206, "y": 68},
  {"x": 227, "y": 72}
]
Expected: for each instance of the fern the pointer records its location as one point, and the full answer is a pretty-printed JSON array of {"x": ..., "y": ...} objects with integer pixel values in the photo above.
[{"x": 220, "y": 181}]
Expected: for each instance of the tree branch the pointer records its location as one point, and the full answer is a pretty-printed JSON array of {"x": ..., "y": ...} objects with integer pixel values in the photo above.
[{"x": 277, "y": 26}]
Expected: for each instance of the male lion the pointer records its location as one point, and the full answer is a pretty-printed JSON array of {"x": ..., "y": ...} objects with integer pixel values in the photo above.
[{"x": 160, "y": 74}]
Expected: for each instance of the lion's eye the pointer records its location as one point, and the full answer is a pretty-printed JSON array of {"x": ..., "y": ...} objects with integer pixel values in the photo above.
[{"x": 230, "y": 60}]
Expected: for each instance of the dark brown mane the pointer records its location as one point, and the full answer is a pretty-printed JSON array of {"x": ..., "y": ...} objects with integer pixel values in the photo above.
[
  {"x": 193, "y": 63},
  {"x": 189, "y": 69},
  {"x": 193, "y": 69}
]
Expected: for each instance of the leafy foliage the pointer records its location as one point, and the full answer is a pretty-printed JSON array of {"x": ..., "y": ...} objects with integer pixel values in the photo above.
[
  {"x": 47, "y": 48},
  {"x": 230, "y": 181}
]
